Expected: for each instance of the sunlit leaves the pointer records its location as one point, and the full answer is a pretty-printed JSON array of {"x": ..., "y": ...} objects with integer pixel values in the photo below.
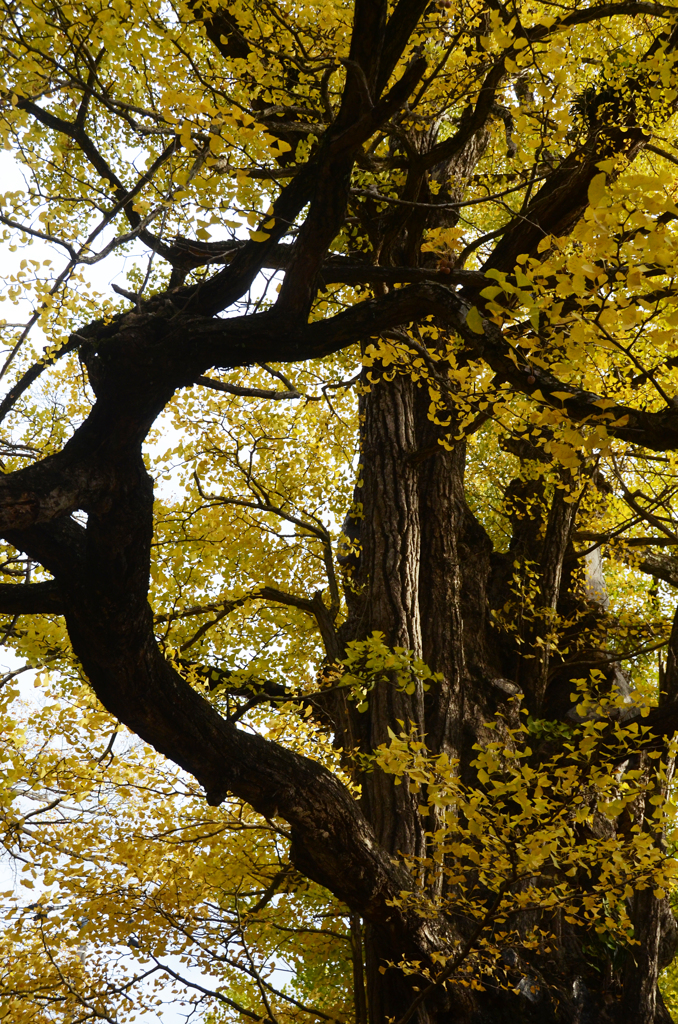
[{"x": 146, "y": 124}]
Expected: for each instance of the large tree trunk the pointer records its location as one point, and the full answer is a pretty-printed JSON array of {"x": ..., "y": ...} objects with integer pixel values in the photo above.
[
  {"x": 427, "y": 578},
  {"x": 384, "y": 597}
]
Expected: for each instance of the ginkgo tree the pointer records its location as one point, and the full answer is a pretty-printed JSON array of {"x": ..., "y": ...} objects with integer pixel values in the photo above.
[{"x": 339, "y": 532}]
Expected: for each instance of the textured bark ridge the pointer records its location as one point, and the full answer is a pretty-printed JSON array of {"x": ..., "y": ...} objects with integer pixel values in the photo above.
[{"x": 428, "y": 577}]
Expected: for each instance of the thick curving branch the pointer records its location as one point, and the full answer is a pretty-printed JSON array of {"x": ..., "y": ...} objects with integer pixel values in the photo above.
[
  {"x": 136, "y": 364},
  {"x": 110, "y": 624},
  {"x": 31, "y": 598}
]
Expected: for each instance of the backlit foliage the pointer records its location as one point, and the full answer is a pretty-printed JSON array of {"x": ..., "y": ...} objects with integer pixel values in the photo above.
[{"x": 134, "y": 135}]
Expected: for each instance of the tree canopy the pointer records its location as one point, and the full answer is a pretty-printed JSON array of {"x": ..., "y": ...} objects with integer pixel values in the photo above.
[{"x": 339, "y": 530}]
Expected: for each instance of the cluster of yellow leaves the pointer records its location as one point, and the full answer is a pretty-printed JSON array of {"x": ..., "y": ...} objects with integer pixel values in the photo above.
[
  {"x": 129, "y": 890},
  {"x": 252, "y": 493},
  {"x": 531, "y": 843},
  {"x": 371, "y": 661}
]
